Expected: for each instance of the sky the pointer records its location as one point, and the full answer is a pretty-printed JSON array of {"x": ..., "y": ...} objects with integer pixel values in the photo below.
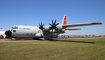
[{"x": 32, "y": 12}]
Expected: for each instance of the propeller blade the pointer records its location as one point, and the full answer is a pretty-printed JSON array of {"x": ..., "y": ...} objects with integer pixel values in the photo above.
[
  {"x": 41, "y": 26},
  {"x": 55, "y": 22}
]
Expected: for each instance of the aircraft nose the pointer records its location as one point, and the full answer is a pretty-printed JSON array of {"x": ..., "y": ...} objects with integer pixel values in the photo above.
[{"x": 8, "y": 33}]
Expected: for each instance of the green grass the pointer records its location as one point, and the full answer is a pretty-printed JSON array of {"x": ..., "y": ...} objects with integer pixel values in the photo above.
[{"x": 92, "y": 49}]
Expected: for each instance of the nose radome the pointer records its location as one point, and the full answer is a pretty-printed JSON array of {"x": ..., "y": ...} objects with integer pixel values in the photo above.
[{"x": 8, "y": 33}]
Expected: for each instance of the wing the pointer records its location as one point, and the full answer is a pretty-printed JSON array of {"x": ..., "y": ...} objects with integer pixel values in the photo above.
[{"x": 82, "y": 24}]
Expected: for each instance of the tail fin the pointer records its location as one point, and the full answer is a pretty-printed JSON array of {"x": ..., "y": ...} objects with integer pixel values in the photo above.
[{"x": 64, "y": 21}]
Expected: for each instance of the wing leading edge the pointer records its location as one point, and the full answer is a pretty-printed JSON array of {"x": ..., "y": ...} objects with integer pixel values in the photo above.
[{"x": 82, "y": 24}]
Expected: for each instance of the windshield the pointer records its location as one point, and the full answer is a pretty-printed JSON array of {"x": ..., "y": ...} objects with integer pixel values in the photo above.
[{"x": 15, "y": 27}]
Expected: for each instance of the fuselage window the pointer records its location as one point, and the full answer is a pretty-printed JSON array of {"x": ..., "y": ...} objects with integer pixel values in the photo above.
[
  {"x": 28, "y": 28},
  {"x": 23, "y": 28},
  {"x": 20, "y": 28}
]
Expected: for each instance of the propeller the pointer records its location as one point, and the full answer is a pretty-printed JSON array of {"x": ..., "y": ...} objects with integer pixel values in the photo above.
[
  {"x": 8, "y": 34},
  {"x": 41, "y": 26},
  {"x": 53, "y": 25}
]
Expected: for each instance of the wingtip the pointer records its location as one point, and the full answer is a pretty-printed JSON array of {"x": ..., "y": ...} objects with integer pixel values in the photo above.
[{"x": 96, "y": 23}]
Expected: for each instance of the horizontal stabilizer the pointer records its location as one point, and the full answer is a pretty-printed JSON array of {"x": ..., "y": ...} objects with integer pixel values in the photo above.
[{"x": 72, "y": 29}]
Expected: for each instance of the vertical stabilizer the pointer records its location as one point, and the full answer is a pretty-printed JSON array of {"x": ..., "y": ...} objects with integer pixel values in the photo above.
[{"x": 64, "y": 21}]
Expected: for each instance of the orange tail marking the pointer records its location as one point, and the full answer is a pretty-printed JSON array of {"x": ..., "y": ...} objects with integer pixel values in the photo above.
[{"x": 65, "y": 20}]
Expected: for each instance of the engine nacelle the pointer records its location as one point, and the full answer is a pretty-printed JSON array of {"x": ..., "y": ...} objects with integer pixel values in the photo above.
[
  {"x": 59, "y": 27},
  {"x": 46, "y": 28}
]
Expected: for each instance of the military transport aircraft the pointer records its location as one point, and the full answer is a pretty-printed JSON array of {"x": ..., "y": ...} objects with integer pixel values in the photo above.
[{"x": 45, "y": 32}]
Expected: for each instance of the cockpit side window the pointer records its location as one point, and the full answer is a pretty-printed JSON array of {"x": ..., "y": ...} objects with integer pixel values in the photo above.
[{"x": 14, "y": 30}]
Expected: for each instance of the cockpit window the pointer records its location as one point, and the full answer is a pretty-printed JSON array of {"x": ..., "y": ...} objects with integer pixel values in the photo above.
[
  {"x": 14, "y": 30},
  {"x": 15, "y": 27}
]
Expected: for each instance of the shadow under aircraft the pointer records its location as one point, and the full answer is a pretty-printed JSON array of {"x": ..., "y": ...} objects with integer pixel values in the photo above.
[{"x": 80, "y": 41}]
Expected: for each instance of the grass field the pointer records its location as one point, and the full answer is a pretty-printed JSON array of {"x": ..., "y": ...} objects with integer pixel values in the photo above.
[{"x": 88, "y": 49}]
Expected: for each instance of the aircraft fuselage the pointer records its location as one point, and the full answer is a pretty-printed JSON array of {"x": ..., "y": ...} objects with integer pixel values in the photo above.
[
  {"x": 29, "y": 32},
  {"x": 26, "y": 31}
]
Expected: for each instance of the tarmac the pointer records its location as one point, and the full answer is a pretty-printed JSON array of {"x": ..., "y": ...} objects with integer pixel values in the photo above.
[
  {"x": 55, "y": 39},
  {"x": 9, "y": 40}
]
